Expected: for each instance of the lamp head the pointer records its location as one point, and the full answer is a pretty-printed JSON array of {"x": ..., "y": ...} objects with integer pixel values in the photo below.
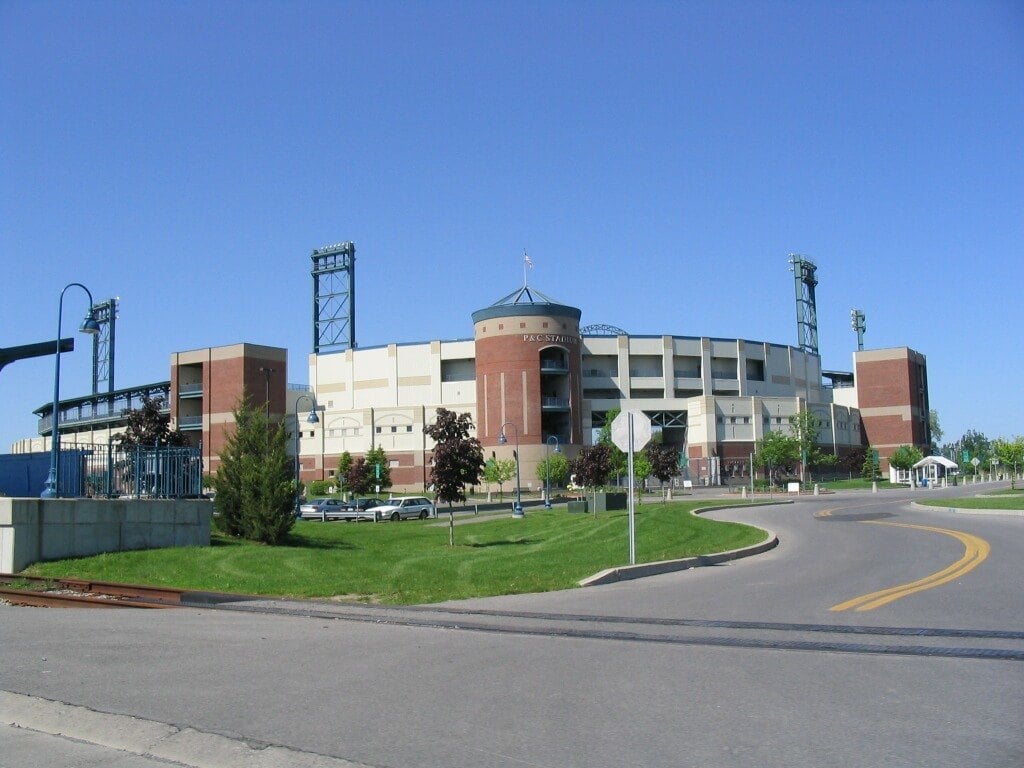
[
  {"x": 90, "y": 325},
  {"x": 501, "y": 437},
  {"x": 312, "y": 418}
]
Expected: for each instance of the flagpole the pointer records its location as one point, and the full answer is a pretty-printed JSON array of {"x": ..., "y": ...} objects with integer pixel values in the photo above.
[{"x": 526, "y": 283}]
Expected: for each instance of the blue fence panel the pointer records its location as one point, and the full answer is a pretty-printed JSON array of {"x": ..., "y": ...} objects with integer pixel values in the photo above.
[{"x": 104, "y": 470}]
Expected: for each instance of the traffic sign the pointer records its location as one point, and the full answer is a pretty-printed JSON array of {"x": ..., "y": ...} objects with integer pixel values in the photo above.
[{"x": 641, "y": 430}]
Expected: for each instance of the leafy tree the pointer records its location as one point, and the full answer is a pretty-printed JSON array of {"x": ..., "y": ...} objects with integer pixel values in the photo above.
[
  {"x": 663, "y": 460},
  {"x": 593, "y": 465},
  {"x": 499, "y": 471},
  {"x": 344, "y": 465},
  {"x": 458, "y": 460},
  {"x": 822, "y": 460},
  {"x": 360, "y": 478},
  {"x": 376, "y": 457},
  {"x": 641, "y": 471},
  {"x": 319, "y": 487},
  {"x": 558, "y": 465},
  {"x": 148, "y": 426},
  {"x": 254, "y": 483},
  {"x": 1010, "y": 454},
  {"x": 618, "y": 460},
  {"x": 935, "y": 430},
  {"x": 905, "y": 457},
  {"x": 775, "y": 451},
  {"x": 805, "y": 428},
  {"x": 977, "y": 446}
]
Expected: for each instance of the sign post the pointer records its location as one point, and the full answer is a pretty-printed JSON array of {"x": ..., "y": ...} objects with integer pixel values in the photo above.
[{"x": 631, "y": 431}]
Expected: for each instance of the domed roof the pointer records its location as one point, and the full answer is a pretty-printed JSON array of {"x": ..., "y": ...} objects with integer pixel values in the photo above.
[{"x": 526, "y": 301}]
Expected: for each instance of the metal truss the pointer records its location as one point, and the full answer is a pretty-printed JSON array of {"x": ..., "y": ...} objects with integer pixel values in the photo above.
[{"x": 334, "y": 298}]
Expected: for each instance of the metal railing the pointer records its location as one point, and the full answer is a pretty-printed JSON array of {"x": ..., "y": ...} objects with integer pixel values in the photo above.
[{"x": 155, "y": 472}]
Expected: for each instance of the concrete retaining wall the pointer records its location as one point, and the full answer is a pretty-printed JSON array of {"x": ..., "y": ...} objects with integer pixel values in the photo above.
[{"x": 50, "y": 529}]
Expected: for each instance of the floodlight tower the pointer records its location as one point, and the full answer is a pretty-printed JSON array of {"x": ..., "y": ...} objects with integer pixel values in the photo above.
[
  {"x": 105, "y": 313},
  {"x": 806, "y": 311},
  {"x": 857, "y": 322},
  {"x": 334, "y": 298}
]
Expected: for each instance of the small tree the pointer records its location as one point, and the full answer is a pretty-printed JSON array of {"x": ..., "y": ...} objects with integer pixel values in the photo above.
[
  {"x": 869, "y": 469},
  {"x": 905, "y": 457},
  {"x": 499, "y": 471},
  {"x": 254, "y": 483},
  {"x": 147, "y": 426},
  {"x": 776, "y": 451},
  {"x": 592, "y": 466},
  {"x": 1010, "y": 454},
  {"x": 641, "y": 471},
  {"x": 458, "y": 460},
  {"x": 360, "y": 479},
  {"x": 618, "y": 461},
  {"x": 379, "y": 468},
  {"x": 344, "y": 465},
  {"x": 664, "y": 462},
  {"x": 558, "y": 465},
  {"x": 805, "y": 428}
]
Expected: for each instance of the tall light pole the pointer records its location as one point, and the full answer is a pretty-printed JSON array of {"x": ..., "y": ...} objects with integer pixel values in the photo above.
[
  {"x": 517, "y": 509},
  {"x": 547, "y": 469},
  {"x": 311, "y": 419},
  {"x": 266, "y": 372},
  {"x": 51, "y": 489}
]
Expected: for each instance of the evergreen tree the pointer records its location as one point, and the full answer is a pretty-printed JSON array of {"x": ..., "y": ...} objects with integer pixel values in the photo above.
[{"x": 254, "y": 483}]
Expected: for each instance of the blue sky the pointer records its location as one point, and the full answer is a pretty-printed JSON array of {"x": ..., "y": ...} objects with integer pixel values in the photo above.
[{"x": 659, "y": 162}]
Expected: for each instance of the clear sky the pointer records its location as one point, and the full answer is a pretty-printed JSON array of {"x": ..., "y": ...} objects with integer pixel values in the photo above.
[{"x": 659, "y": 161}]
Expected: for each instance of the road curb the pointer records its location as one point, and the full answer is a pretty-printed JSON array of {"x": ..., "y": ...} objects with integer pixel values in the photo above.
[
  {"x": 966, "y": 511},
  {"x": 627, "y": 572},
  {"x": 180, "y": 745}
]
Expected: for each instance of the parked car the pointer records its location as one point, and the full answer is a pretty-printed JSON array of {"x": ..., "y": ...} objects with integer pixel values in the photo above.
[
  {"x": 403, "y": 507},
  {"x": 359, "y": 509},
  {"x": 322, "y": 509}
]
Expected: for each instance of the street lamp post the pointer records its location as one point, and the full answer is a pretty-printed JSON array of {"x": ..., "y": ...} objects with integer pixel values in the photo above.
[
  {"x": 547, "y": 469},
  {"x": 266, "y": 373},
  {"x": 51, "y": 489},
  {"x": 311, "y": 419},
  {"x": 517, "y": 509}
]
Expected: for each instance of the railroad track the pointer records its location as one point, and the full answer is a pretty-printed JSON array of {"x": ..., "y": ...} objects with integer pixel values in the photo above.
[{"x": 81, "y": 593}]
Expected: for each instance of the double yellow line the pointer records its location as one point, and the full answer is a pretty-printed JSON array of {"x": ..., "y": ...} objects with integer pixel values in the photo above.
[{"x": 976, "y": 550}]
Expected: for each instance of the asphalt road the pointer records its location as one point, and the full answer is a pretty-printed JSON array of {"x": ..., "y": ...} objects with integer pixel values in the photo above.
[{"x": 743, "y": 664}]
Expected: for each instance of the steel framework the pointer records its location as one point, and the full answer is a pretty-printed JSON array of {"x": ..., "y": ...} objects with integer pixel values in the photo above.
[
  {"x": 334, "y": 298},
  {"x": 105, "y": 313},
  {"x": 858, "y": 322},
  {"x": 806, "y": 311}
]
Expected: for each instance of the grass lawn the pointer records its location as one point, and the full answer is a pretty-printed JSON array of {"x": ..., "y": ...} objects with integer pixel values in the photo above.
[
  {"x": 857, "y": 483},
  {"x": 411, "y": 562},
  {"x": 1015, "y": 501}
]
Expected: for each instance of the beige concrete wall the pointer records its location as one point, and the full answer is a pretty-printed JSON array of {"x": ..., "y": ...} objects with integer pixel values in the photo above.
[{"x": 51, "y": 529}]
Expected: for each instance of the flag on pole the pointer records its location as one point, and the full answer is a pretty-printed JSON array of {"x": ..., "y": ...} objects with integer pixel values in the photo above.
[{"x": 527, "y": 260}]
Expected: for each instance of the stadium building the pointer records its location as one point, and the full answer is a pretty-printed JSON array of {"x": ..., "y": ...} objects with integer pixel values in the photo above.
[{"x": 532, "y": 373}]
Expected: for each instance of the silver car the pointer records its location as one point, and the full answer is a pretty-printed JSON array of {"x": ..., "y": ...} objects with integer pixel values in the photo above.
[
  {"x": 404, "y": 507},
  {"x": 322, "y": 509}
]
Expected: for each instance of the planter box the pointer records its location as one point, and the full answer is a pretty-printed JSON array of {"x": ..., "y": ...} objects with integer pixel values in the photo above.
[{"x": 577, "y": 506}]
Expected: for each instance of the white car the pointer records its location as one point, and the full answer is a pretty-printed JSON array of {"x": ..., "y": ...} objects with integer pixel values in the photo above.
[{"x": 404, "y": 507}]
